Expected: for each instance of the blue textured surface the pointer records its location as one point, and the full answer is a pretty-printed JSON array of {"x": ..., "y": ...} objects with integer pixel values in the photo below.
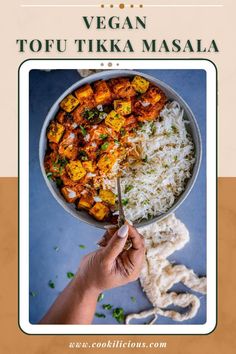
[{"x": 51, "y": 226}]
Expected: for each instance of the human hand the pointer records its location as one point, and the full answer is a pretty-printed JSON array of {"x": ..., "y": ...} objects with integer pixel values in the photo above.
[
  {"x": 108, "y": 267},
  {"x": 112, "y": 266}
]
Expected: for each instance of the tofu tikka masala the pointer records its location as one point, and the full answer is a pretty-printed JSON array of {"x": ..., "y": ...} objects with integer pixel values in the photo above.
[{"x": 88, "y": 140}]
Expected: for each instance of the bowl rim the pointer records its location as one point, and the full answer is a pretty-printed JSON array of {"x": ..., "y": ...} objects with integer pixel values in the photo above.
[{"x": 106, "y": 75}]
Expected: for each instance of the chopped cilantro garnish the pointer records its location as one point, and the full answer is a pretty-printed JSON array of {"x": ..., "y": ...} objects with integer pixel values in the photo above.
[
  {"x": 174, "y": 129},
  {"x": 100, "y": 315},
  {"x": 89, "y": 114},
  {"x": 49, "y": 175},
  {"x": 81, "y": 246},
  {"x": 59, "y": 164},
  {"x": 104, "y": 146},
  {"x": 33, "y": 293},
  {"x": 83, "y": 155},
  {"x": 103, "y": 136},
  {"x": 94, "y": 115},
  {"x": 118, "y": 314},
  {"x": 138, "y": 95},
  {"x": 70, "y": 275},
  {"x": 150, "y": 171},
  {"x": 58, "y": 182},
  {"x": 107, "y": 306},
  {"x": 145, "y": 159},
  {"x": 122, "y": 131},
  {"x": 68, "y": 115},
  {"x": 133, "y": 298},
  {"x": 116, "y": 142},
  {"x": 125, "y": 201},
  {"x": 168, "y": 134},
  {"x": 83, "y": 130},
  {"x": 62, "y": 161},
  {"x": 51, "y": 284},
  {"x": 102, "y": 115},
  {"x": 100, "y": 297},
  {"x": 128, "y": 188},
  {"x": 153, "y": 128}
]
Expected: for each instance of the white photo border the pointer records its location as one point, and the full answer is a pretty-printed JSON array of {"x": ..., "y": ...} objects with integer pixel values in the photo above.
[{"x": 211, "y": 155}]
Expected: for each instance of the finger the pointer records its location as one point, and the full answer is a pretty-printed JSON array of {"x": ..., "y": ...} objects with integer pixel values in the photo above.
[
  {"x": 116, "y": 244},
  {"x": 111, "y": 229},
  {"x": 102, "y": 243},
  {"x": 107, "y": 236},
  {"x": 137, "y": 252},
  {"x": 136, "y": 258},
  {"x": 127, "y": 262},
  {"x": 136, "y": 238},
  {"x": 132, "y": 265},
  {"x": 103, "y": 239}
]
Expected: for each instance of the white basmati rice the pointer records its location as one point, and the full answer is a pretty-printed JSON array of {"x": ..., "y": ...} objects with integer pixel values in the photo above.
[{"x": 150, "y": 186}]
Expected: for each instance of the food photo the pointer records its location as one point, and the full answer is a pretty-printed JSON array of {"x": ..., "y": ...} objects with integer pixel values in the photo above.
[{"x": 117, "y": 196}]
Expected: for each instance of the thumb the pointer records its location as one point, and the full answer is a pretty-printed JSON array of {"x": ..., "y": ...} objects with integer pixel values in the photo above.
[{"x": 116, "y": 244}]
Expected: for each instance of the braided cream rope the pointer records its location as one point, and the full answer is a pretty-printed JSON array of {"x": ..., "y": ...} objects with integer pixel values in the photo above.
[{"x": 158, "y": 275}]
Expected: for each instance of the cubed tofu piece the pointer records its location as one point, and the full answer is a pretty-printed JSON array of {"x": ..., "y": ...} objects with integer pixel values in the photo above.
[
  {"x": 84, "y": 93},
  {"x": 106, "y": 162},
  {"x": 156, "y": 98},
  {"x": 100, "y": 132},
  {"x": 68, "y": 147},
  {"x": 86, "y": 202},
  {"x": 55, "y": 132},
  {"x": 122, "y": 88},
  {"x": 53, "y": 146},
  {"x": 89, "y": 166},
  {"x": 131, "y": 121},
  {"x": 140, "y": 84},
  {"x": 102, "y": 93},
  {"x": 148, "y": 115},
  {"x": 69, "y": 151},
  {"x": 69, "y": 103},
  {"x": 99, "y": 211},
  {"x": 123, "y": 107},
  {"x": 153, "y": 95},
  {"x": 69, "y": 194},
  {"x": 107, "y": 196},
  {"x": 115, "y": 121},
  {"x": 75, "y": 170},
  {"x": 61, "y": 117}
]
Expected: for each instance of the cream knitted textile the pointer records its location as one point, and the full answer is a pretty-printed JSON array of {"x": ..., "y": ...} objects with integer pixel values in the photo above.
[{"x": 158, "y": 275}]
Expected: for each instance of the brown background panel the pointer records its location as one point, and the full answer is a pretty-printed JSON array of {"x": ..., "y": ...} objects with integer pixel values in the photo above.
[{"x": 222, "y": 340}]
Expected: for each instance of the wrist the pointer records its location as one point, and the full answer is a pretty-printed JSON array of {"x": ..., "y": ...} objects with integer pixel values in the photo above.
[{"x": 84, "y": 289}]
